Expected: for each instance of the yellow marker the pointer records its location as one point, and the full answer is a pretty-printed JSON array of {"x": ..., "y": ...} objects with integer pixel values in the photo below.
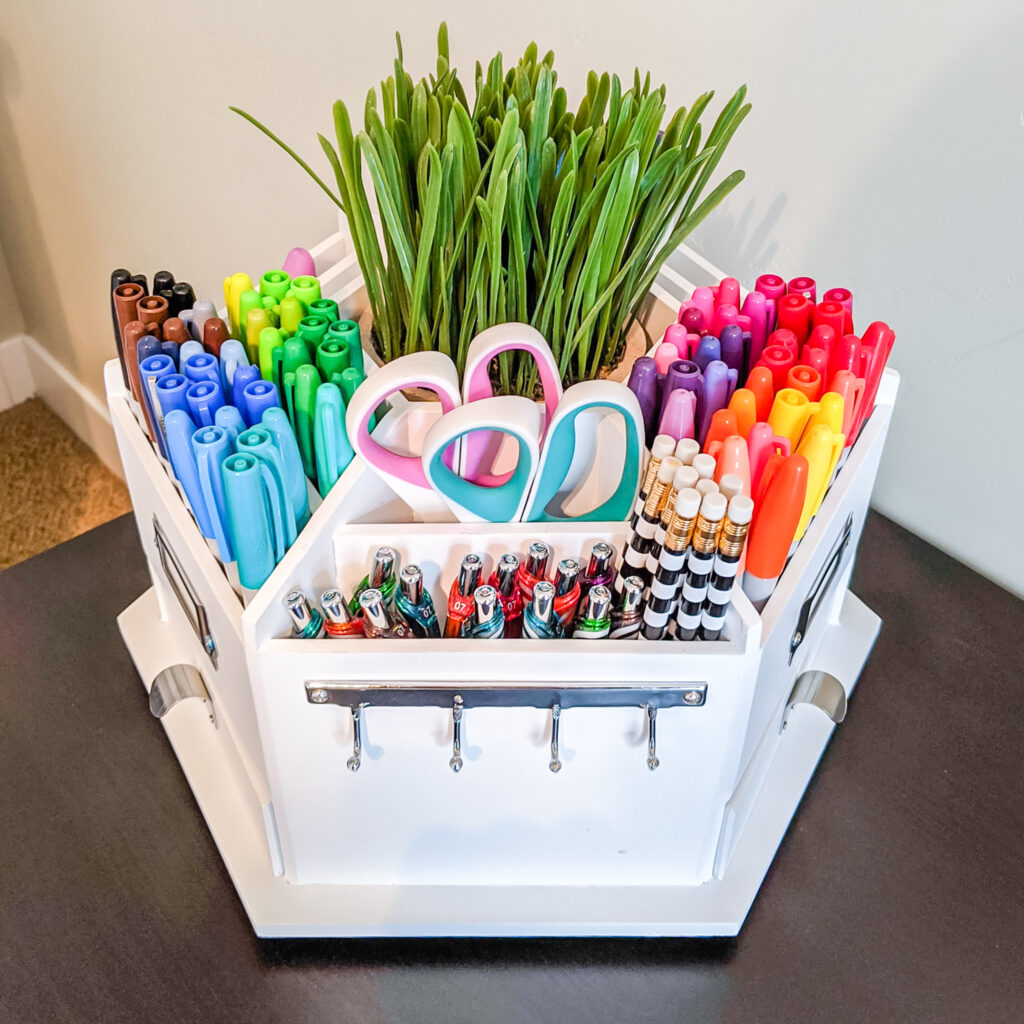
[
  {"x": 830, "y": 413},
  {"x": 821, "y": 447},
  {"x": 790, "y": 413},
  {"x": 255, "y": 321},
  {"x": 292, "y": 311},
  {"x": 233, "y": 288},
  {"x": 744, "y": 404}
]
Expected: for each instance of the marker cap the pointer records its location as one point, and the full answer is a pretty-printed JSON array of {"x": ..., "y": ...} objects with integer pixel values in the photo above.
[
  {"x": 776, "y": 517},
  {"x": 805, "y": 379},
  {"x": 723, "y": 425},
  {"x": 743, "y": 405},
  {"x": 761, "y": 382},
  {"x": 790, "y": 412}
]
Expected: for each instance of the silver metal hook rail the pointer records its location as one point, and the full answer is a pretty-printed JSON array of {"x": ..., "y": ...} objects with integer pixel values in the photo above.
[{"x": 649, "y": 696}]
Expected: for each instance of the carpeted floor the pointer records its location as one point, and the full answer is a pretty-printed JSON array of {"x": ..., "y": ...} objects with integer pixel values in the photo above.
[{"x": 52, "y": 485}]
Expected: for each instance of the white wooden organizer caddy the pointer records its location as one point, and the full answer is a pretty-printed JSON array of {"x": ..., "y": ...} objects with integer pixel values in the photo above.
[{"x": 405, "y": 845}]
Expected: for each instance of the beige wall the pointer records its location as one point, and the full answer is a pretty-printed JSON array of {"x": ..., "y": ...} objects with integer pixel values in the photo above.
[
  {"x": 884, "y": 152},
  {"x": 11, "y": 322}
]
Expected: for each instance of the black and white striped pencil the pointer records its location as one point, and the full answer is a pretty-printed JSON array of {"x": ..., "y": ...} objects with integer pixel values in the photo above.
[
  {"x": 727, "y": 559},
  {"x": 663, "y": 444},
  {"x": 638, "y": 542},
  {"x": 700, "y": 561},
  {"x": 685, "y": 476},
  {"x": 671, "y": 565}
]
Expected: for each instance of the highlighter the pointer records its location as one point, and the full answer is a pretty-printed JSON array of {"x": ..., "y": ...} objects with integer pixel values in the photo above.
[
  {"x": 790, "y": 412},
  {"x": 762, "y": 384},
  {"x": 829, "y": 413},
  {"x": 806, "y": 380},
  {"x": 743, "y": 405},
  {"x": 339, "y": 622},
  {"x": 256, "y": 320},
  {"x": 307, "y": 622},
  {"x": 233, "y": 288},
  {"x": 821, "y": 448},
  {"x": 776, "y": 515}
]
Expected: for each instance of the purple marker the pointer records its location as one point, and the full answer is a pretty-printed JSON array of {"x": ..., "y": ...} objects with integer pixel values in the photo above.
[
  {"x": 244, "y": 375},
  {"x": 716, "y": 394},
  {"x": 679, "y": 414},
  {"x": 643, "y": 382},
  {"x": 709, "y": 348},
  {"x": 732, "y": 347},
  {"x": 687, "y": 375}
]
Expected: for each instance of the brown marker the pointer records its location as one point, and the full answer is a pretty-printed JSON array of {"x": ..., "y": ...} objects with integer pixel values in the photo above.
[
  {"x": 175, "y": 330},
  {"x": 215, "y": 333},
  {"x": 126, "y": 301},
  {"x": 153, "y": 311},
  {"x": 133, "y": 331}
]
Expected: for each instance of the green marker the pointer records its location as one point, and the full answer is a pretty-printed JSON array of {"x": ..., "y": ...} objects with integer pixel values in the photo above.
[
  {"x": 292, "y": 311},
  {"x": 312, "y": 329},
  {"x": 274, "y": 284},
  {"x": 307, "y": 380},
  {"x": 270, "y": 340},
  {"x": 305, "y": 288},
  {"x": 331, "y": 359},
  {"x": 347, "y": 332},
  {"x": 327, "y": 308}
]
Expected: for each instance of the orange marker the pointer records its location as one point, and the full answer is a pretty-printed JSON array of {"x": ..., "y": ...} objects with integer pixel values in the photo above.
[
  {"x": 743, "y": 405},
  {"x": 723, "y": 424},
  {"x": 851, "y": 388},
  {"x": 734, "y": 459},
  {"x": 805, "y": 379},
  {"x": 760, "y": 382},
  {"x": 777, "y": 512}
]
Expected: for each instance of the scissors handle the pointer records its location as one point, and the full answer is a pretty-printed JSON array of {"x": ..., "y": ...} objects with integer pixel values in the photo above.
[
  {"x": 479, "y": 450},
  {"x": 469, "y": 501},
  {"x": 431, "y": 370}
]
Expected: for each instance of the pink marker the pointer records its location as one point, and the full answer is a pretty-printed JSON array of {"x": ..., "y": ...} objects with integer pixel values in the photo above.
[
  {"x": 755, "y": 308},
  {"x": 725, "y": 315},
  {"x": 729, "y": 292},
  {"x": 734, "y": 457},
  {"x": 845, "y": 356},
  {"x": 299, "y": 263},
  {"x": 785, "y": 338},
  {"x": 762, "y": 444},
  {"x": 805, "y": 286},
  {"x": 677, "y": 335},
  {"x": 665, "y": 355},
  {"x": 771, "y": 286},
  {"x": 845, "y": 299},
  {"x": 704, "y": 300}
]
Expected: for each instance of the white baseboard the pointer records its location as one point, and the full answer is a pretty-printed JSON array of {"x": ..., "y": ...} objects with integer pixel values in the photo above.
[{"x": 27, "y": 370}]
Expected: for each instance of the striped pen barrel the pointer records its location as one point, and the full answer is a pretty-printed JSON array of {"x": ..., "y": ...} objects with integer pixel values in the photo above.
[
  {"x": 638, "y": 543},
  {"x": 662, "y": 447},
  {"x": 727, "y": 559},
  {"x": 671, "y": 565},
  {"x": 685, "y": 476},
  {"x": 700, "y": 561}
]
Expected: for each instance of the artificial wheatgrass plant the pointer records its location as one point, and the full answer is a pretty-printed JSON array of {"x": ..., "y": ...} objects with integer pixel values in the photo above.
[{"x": 516, "y": 208}]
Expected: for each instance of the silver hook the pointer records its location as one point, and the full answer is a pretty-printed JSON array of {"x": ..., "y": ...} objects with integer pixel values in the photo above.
[
  {"x": 355, "y": 760},
  {"x": 456, "y": 762},
  {"x": 556, "y": 714},
  {"x": 652, "y": 756}
]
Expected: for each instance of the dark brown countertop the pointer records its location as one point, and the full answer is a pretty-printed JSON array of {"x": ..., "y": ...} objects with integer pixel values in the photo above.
[{"x": 898, "y": 894}]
